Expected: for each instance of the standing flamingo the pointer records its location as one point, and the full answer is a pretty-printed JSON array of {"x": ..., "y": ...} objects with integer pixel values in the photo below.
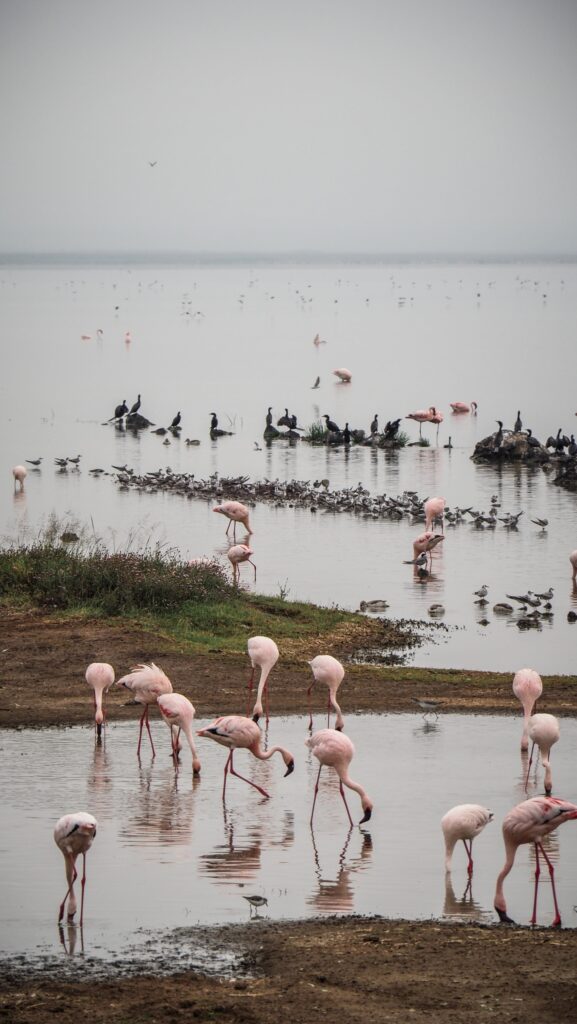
[
  {"x": 434, "y": 509},
  {"x": 74, "y": 834},
  {"x": 237, "y": 732},
  {"x": 178, "y": 713},
  {"x": 235, "y": 512},
  {"x": 240, "y": 553},
  {"x": 19, "y": 473},
  {"x": 147, "y": 683},
  {"x": 345, "y": 376},
  {"x": 100, "y": 676},
  {"x": 263, "y": 652},
  {"x": 459, "y": 407},
  {"x": 426, "y": 543},
  {"x": 544, "y": 731},
  {"x": 421, "y": 416},
  {"x": 527, "y": 687},
  {"x": 436, "y": 417},
  {"x": 337, "y": 751},
  {"x": 465, "y": 821},
  {"x": 528, "y": 823},
  {"x": 329, "y": 671},
  {"x": 573, "y": 560}
]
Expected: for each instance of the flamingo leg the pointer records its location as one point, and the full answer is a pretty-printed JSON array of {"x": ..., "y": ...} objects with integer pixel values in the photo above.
[
  {"x": 529, "y": 767},
  {"x": 82, "y": 883},
  {"x": 229, "y": 526},
  {"x": 309, "y": 707},
  {"x": 144, "y": 721},
  {"x": 316, "y": 793},
  {"x": 557, "y": 918},
  {"x": 537, "y": 873},
  {"x": 71, "y": 874},
  {"x": 253, "y": 784},
  {"x": 329, "y": 711},
  {"x": 253, "y": 565},
  {"x": 345, "y": 802},
  {"x": 469, "y": 850},
  {"x": 266, "y": 703}
]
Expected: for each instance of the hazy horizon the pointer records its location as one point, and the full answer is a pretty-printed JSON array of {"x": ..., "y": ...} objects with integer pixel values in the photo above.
[{"x": 329, "y": 126}]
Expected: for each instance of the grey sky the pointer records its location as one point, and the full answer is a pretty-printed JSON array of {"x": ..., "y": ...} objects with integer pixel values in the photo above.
[{"x": 348, "y": 125}]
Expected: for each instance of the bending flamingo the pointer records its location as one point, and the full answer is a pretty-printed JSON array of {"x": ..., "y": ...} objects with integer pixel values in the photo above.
[
  {"x": 237, "y": 554},
  {"x": 235, "y": 512},
  {"x": 528, "y": 823},
  {"x": 464, "y": 407},
  {"x": 237, "y": 732},
  {"x": 527, "y": 687},
  {"x": 335, "y": 750},
  {"x": 100, "y": 676},
  {"x": 573, "y": 560},
  {"x": 436, "y": 417},
  {"x": 147, "y": 683},
  {"x": 426, "y": 543},
  {"x": 74, "y": 834},
  {"x": 345, "y": 376},
  {"x": 329, "y": 671},
  {"x": 178, "y": 713},
  {"x": 263, "y": 652},
  {"x": 19, "y": 473},
  {"x": 465, "y": 822},
  {"x": 544, "y": 731},
  {"x": 434, "y": 509}
]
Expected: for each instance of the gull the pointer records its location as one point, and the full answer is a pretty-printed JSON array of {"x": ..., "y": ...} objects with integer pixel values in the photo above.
[
  {"x": 543, "y": 523},
  {"x": 152, "y": 163},
  {"x": 483, "y": 591},
  {"x": 34, "y": 462},
  {"x": 546, "y": 596},
  {"x": 420, "y": 560}
]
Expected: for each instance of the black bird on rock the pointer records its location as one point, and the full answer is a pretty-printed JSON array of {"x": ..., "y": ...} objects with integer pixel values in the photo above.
[
  {"x": 120, "y": 410},
  {"x": 176, "y": 421},
  {"x": 330, "y": 424}
]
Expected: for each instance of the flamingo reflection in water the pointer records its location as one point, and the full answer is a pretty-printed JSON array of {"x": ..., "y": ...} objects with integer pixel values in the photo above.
[
  {"x": 465, "y": 907},
  {"x": 336, "y": 895}
]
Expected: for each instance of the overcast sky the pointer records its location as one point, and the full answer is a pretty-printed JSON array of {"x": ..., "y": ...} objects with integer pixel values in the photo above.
[{"x": 335, "y": 125}]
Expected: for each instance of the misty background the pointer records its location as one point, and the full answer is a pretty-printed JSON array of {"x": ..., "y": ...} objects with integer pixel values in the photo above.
[{"x": 430, "y": 126}]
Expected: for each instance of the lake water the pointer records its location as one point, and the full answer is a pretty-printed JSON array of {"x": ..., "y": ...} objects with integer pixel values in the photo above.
[
  {"x": 235, "y": 339},
  {"x": 169, "y": 854}
]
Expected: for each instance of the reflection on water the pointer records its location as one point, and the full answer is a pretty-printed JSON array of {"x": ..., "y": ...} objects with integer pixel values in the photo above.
[
  {"x": 465, "y": 907},
  {"x": 71, "y": 936},
  {"x": 335, "y": 894}
]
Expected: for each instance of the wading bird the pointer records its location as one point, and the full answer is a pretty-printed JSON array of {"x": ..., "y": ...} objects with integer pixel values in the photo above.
[
  {"x": 345, "y": 376},
  {"x": 263, "y": 654},
  {"x": 425, "y": 544},
  {"x": 178, "y": 713},
  {"x": 434, "y": 509},
  {"x": 543, "y": 730},
  {"x": 19, "y": 473},
  {"x": 146, "y": 683},
  {"x": 528, "y": 823},
  {"x": 100, "y": 676},
  {"x": 421, "y": 416},
  {"x": 463, "y": 822},
  {"x": 74, "y": 834},
  {"x": 527, "y": 687},
  {"x": 255, "y": 902},
  {"x": 329, "y": 671},
  {"x": 239, "y": 733},
  {"x": 235, "y": 512},
  {"x": 463, "y": 407},
  {"x": 335, "y": 750},
  {"x": 237, "y": 554}
]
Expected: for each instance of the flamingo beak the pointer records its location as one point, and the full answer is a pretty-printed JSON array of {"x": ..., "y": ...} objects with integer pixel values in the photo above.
[
  {"x": 290, "y": 769},
  {"x": 255, "y": 718},
  {"x": 503, "y": 917},
  {"x": 366, "y": 816}
]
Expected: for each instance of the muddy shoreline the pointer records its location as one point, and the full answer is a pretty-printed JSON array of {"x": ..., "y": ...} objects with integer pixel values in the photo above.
[{"x": 350, "y": 968}]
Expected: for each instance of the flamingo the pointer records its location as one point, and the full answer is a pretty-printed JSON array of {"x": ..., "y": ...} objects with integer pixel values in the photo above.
[
  {"x": 19, "y": 473},
  {"x": 528, "y": 823},
  {"x": 236, "y": 512},
  {"x": 527, "y": 687},
  {"x": 421, "y": 416},
  {"x": 434, "y": 509},
  {"x": 178, "y": 713},
  {"x": 426, "y": 543},
  {"x": 345, "y": 376},
  {"x": 100, "y": 676},
  {"x": 329, "y": 671},
  {"x": 459, "y": 407},
  {"x": 263, "y": 652},
  {"x": 544, "y": 731},
  {"x": 436, "y": 417},
  {"x": 465, "y": 822},
  {"x": 237, "y": 732},
  {"x": 240, "y": 553},
  {"x": 74, "y": 834},
  {"x": 337, "y": 751},
  {"x": 573, "y": 558},
  {"x": 147, "y": 683}
]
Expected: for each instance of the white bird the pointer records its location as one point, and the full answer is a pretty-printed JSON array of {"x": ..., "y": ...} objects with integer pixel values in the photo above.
[
  {"x": 146, "y": 683},
  {"x": 74, "y": 834},
  {"x": 463, "y": 822},
  {"x": 483, "y": 591},
  {"x": 543, "y": 730},
  {"x": 100, "y": 676},
  {"x": 264, "y": 654}
]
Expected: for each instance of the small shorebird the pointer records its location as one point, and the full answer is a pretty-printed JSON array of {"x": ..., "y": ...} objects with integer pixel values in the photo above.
[
  {"x": 430, "y": 707},
  {"x": 256, "y": 902}
]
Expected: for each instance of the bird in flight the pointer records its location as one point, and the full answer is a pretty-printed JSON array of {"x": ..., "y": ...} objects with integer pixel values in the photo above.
[{"x": 152, "y": 163}]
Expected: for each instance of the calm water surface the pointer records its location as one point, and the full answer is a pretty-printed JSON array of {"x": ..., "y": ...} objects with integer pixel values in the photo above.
[
  {"x": 234, "y": 339},
  {"x": 169, "y": 854}
]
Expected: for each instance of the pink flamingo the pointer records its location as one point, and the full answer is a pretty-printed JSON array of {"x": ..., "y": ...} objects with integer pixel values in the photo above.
[
  {"x": 178, "y": 713},
  {"x": 236, "y": 512},
  {"x": 421, "y": 416},
  {"x": 573, "y": 559},
  {"x": 74, "y": 834},
  {"x": 434, "y": 509},
  {"x": 543, "y": 730},
  {"x": 336, "y": 750},
  {"x": 237, "y": 732},
  {"x": 528, "y": 823},
  {"x": 345, "y": 376},
  {"x": 263, "y": 652},
  {"x": 100, "y": 676},
  {"x": 465, "y": 822},
  {"x": 146, "y": 683},
  {"x": 240, "y": 553},
  {"x": 329, "y": 671},
  {"x": 427, "y": 542},
  {"x": 527, "y": 687},
  {"x": 19, "y": 473},
  {"x": 436, "y": 417},
  {"x": 459, "y": 407}
]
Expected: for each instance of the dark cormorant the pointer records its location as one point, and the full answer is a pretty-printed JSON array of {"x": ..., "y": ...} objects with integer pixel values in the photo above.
[
  {"x": 331, "y": 425},
  {"x": 214, "y": 421},
  {"x": 176, "y": 420},
  {"x": 375, "y": 424},
  {"x": 518, "y": 422},
  {"x": 269, "y": 416},
  {"x": 346, "y": 434},
  {"x": 121, "y": 410},
  {"x": 135, "y": 407}
]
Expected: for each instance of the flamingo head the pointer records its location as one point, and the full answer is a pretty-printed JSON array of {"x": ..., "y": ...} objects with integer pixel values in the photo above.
[{"x": 368, "y": 809}]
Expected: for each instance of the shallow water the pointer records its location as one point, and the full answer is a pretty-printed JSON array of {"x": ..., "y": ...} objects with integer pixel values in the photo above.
[
  {"x": 234, "y": 340},
  {"x": 169, "y": 854}
]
